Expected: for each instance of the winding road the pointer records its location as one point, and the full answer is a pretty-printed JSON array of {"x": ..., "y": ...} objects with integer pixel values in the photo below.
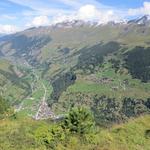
[
  {"x": 43, "y": 102},
  {"x": 44, "y": 110}
]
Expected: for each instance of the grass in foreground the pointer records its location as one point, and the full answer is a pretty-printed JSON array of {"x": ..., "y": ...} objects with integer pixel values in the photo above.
[{"x": 20, "y": 134}]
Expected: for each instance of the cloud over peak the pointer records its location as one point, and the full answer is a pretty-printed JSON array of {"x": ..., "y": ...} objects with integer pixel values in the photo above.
[
  {"x": 88, "y": 13},
  {"x": 39, "y": 21}
]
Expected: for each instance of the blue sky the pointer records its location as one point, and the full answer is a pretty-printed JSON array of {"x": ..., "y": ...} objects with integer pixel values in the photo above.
[
  {"x": 20, "y": 14},
  {"x": 123, "y": 3}
]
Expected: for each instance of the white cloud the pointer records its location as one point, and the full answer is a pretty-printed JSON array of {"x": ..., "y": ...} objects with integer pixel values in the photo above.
[
  {"x": 8, "y": 17},
  {"x": 88, "y": 13},
  {"x": 79, "y": 10},
  {"x": 145, "y": 10},
  {"x": 7, "y": 29},
  {"x": 39, "y": 21},
  {"x": 62, "y": 10}
]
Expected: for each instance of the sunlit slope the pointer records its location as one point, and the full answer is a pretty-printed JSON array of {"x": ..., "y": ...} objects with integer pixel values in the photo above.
[{"x": 133, "y": 135}]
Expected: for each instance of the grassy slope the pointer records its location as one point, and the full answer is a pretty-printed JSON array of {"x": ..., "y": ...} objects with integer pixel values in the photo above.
[
  {"x": 12, "y": 90},
  {"x": 10, "y": 86},
  {"x": 87, "y": 86},
  {"x": 19, "y": 134},
  {"x": 135, "y": 89},
  {"x": 128, "y": 136}
]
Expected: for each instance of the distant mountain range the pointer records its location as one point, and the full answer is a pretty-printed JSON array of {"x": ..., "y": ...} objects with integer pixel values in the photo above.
[
  {"x": 32, "y": 43},
  {"x": 66, "y": 24},
  {"x": 145, "y": 20},
  {"x": 77, "y": 59}
]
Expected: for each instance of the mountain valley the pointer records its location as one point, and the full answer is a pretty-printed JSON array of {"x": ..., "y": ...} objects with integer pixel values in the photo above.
[{"x": 47, "y": 71}]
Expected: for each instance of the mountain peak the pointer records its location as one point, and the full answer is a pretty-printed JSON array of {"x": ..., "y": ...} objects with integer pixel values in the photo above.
[
  {"x": 142, "y": 20},
  {"x": 68, "y": 24}
]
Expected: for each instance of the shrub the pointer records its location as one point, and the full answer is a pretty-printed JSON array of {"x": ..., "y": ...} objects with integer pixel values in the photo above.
[
  {"x": 80, "y": 120},
  {"x": 4, "y": 108},
  {"x": 147, "y": 134},
  {"x": 49, "y": 135}
]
